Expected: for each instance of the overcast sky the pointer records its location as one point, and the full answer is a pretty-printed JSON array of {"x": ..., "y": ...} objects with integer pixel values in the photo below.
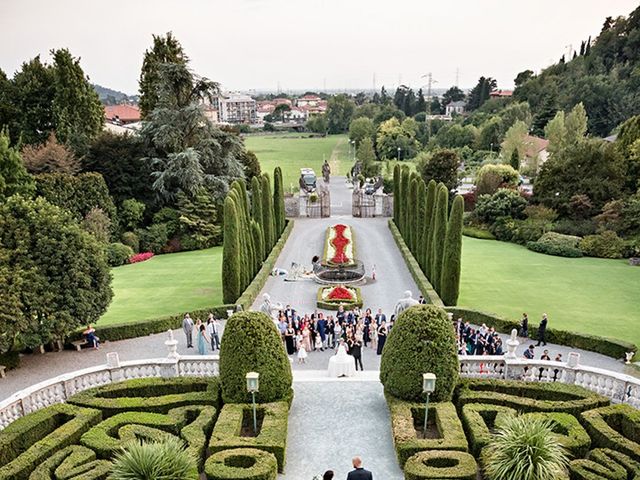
[{"x": 308, "y": 44}]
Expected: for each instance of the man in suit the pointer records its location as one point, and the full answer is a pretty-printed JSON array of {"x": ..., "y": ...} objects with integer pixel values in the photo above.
[
  {"x": 380, "y": 317},
  {"x": 542, "y": 330},
  {"x": 187, "y": 326},
  {"x": 359, "y": 473},
  {"x": 289, "y": 313}
]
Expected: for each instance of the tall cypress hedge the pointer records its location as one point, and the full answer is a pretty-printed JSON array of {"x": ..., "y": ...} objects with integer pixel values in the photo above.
[
  {"x": 421, "y": 196},
  {"x": 451, "y": 263},
  {"x": 258, "y": 242},
  {"x": 278, "y": 201},
  {"x": 396, "y": 192},
  {"x": 231, "y": 274},
  {"x": 267, "y": 214},
  {"x": 404, "y": 181},
  {"x": 411, "y": 208},
  {"x": 256, "y": 200},
  {"x": 428, "y": 226},
  {"x": 246, "y": 260},
  {"x": 439, "y": 234}
]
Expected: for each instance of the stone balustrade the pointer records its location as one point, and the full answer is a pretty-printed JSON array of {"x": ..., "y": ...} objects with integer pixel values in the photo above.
[{"x": 58, "y": 389}]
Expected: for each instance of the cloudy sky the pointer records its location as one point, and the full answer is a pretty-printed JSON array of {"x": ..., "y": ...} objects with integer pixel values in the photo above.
[{"x": 308, "y": 44}]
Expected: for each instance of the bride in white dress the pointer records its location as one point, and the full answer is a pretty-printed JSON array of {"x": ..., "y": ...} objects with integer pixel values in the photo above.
[{"x": 342, "y": 364}]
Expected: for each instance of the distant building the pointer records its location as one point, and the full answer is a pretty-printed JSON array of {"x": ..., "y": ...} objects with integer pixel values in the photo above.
[
  {"x": 121, "y": 114},
  {"x": 501, "y": 94},
  {"x": 535, "y": 153},
  {"x": 308, "y": 101},
  {"x": 456, "y": 108},
  {"x": 235, "y": 108}
]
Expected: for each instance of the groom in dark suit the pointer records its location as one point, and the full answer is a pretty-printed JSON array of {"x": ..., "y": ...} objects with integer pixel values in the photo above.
[{"x": 359, "y": 473}]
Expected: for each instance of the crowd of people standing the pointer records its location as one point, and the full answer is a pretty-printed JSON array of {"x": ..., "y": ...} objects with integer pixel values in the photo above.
[{"x": 206, "y": 333}]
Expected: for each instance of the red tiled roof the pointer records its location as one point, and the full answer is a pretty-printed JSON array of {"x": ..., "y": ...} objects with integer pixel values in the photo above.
[
  {"x": 501, "y": 93},
  {"x": 534, "y": 145},
  {"x": 126, "y": 113}
]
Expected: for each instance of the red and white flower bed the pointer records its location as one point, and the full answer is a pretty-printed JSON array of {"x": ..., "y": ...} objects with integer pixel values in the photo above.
[
  {"x": 339, "y": 247},
  {"x": 332, "y": 297}
]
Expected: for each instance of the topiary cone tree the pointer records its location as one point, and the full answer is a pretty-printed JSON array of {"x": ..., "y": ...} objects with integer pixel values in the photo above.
[
  {"x": 278, "y": 201},
  {"x": 252, "y": 344},
  {"x": 421, "y": 341},
  {"x": 452, "y": 261},
  {"x": 231, "y": 263},
  {"x": 439, "y": 227}
]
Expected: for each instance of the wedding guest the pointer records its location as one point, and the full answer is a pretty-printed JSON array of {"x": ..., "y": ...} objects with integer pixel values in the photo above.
[
  {"x": 302, "y": 353},
  {"x": 289, "y": 339},
  {"x": 529, "y": 353},
  {"x": 356, "y": 351},
  {"x": 202, "y": 339},
  {"x": 542, "y": 330},
  {"x": 545, "y": 355},
  {"x": 90, "y": 336},
  {"x": 359, "y": 473},
  {"x": 382, "y": 337},
  {"x": 524, "y": 326},
  {"x": 213, "y": 330},
  {"x": 187, "y": 327}
]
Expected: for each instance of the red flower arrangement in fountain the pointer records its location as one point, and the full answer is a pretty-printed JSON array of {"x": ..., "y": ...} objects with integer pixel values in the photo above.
[
  {"x": 140, "y": 257},
  {"x": 340, "y": 243},
  {"x": 340, "y": 293}
]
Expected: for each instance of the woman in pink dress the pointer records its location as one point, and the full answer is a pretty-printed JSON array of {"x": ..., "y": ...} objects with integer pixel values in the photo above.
[{"x": 305, "y": 339}]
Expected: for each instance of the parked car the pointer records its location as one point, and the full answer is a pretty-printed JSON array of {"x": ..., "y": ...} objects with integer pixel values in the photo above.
[{"x": 308, "y": 180}]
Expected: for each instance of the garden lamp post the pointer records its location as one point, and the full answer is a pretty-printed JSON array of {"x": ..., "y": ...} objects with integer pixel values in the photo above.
[
  {"x": 253, "y": 379},
  {"x": 399, "y": 150},
  {"x": 428, "y": 387}
]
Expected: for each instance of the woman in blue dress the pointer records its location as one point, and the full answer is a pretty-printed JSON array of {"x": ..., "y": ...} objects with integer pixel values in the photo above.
[{"x": 203, "y": 341}]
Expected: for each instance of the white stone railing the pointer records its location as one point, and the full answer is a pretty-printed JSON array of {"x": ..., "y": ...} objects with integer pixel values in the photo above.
[
  {"x": 618, "y": 387},
  {"x": 60, "y": 388}
]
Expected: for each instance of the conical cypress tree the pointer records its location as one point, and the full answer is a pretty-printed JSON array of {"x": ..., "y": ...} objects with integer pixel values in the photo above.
[
  {"x": 278, "y": 201},
  {"x": 439, "y": 234},
  {"x": 426, "y": 228},
  {"x": 231, "y": 274},
  {"x": 245, "y": 261},
  {"x": 396, "y": 193},
  {"x": 246, "y": 231},
  {"x": 405, "y": 200},
  {"x": 421, "y": 198},
  {"x": 256, "y": 200},
  {"x": 267, "y": 214},
  {"x": 451, "y": 263},
  {"x": 411, "y": 208},
  {"x": 258, "y": 242}
]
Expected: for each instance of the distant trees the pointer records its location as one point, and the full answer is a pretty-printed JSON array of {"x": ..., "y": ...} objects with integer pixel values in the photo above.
[
  {"x": 367, "y": 156},
  {"x": 14, "y": 178},
  {"x": 395, "y": 139},
  {"x": 361, "y": 128},
  {"x": 441, "y": 165},
  {"x": 50, "y": 157},
  {"x": 340, "y": 109},
  {"x": 454, "y": 94},
  {"x": 481, "y": 92}
]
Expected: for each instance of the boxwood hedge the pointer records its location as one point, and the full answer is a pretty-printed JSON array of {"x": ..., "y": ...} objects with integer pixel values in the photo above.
[
  {"x": 570, "y": 434},
  {"x": 241, "y": 464},
  {"x": 30, "y": 440},
  {"x": 479, "y": 420},
  {"x": 616, "y": 427},
  {"x": 529, "y": 396},
  {"x": 604, "y": 463},
  {"x": 404, "y": 417},
  {"x": 610, "y": 347},
  {"x": 74, "y": 462},
  {"x": 157, "y": 395},
  {"x": 272, "y": 437},
  {"x": 439, "y": 465}
]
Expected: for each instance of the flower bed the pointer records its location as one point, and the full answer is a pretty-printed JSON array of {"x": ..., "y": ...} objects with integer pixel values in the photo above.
[
  {"x": 330, "y": 298},
  {"x": 140, "y": 257},
  {"x": 339, "y": 249}
]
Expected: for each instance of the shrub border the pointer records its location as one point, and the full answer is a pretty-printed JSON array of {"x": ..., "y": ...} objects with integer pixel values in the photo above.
[
  {"x": 475, "y": 425},
  {"x": 264, "y": 468},
  {"x": 418, "y": 275},
  {"x": 466, "y": 468},
  {"x": 610, "y": 347},
  {"x": 604, "y": 435}
]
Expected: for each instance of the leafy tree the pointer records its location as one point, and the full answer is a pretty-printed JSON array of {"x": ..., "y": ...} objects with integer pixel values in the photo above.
[
  {"x": 515, "y": 143},
  {"x": 268, "y": 224},
  {"x": 411, "y": 227},
  {"x": 278, "y": 202},
  {"x": 454, "y": 94},
  {"x": 187, "y": 151},
  {"x": 367, "y": 156},
  {"x": 523, "y": 77},
  {"x": 393, "y": 135},
  {"x": 9, "y": 115},
  {"x": 280, "y": 111},
  {"x": 14, "y": 178},
  {"x": 98, "y": 224},
  {"x": 250, "y": 164},
  {"x": 439, "y": 232},
  {"x": 50, "y": 157},
  {"x": 55, "y": 276},
  {"x": 628, "y": 144},
  {"x": 317, "y": 124},
  {"x": 481, "y": 92},
  {"x": 457, "y": 136},
  {"x": 340, "y": 108},
  {"x": 405, "y": 184},
  {"x": 421, "y": 104},
  {"x": 119, "y": 159},
  {"x": 360, "y": 129},
  {"x": 231, "y": 273},
  {"x": 503, "y": 203},
  {"x": 77, "y": 111},
  {"x": 452, "y": 261},
  {"x": 516, "y": 112},
  {"x": 491, "y": 134},
  {"x": 492, "y": 177},
  {"x": 165, "y": 49},
  {"x": 441, "y": 165},
  {"x": 131, "y": 213}
]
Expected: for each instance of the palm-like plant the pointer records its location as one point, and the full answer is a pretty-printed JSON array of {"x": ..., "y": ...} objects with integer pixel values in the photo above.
[
  {"x": 165, "y": 460},
  {"x": 525, "y": 449}
]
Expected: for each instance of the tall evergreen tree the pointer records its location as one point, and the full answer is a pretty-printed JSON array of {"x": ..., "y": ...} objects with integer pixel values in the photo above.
[
  {"x": 396, "y": 194},
  {"x": 514, "y": 161},
  {"x": 411, "y": 202},
  {"x": 231, "y": 274},
  {"x": 421, "y": 104},
  {"x": 421, "y": 203},
  {"x": 165, "y": 49},
  {"x": 13, "y": 176},
  {"x": 452, "y": 261},
  {"x": 427, "y": 234},
  {"x": 256, "y": 200},
  {"x": 439, "y": 234},
  {"x": 406, "y": 192},
  {"x": 258, "y": 242},
  {"x": 278, "y": 201},
  {"x": 267, "y": 214},
  {"x": 245, "y": 259}
]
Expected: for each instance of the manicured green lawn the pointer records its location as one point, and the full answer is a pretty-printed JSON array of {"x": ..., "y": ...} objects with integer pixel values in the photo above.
[
  {"x": 165, "y": 284},
  {"x": 588, "y": 295},
  {"x": 292, "y": 152}
]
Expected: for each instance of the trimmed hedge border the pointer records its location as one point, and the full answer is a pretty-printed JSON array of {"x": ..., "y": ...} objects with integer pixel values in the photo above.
[
  {"x": 241, "y": 464},
  {"x": 436, "y": 465},
  {"x": 191, "y": 423},
  {"x": 155, "y": 395},
  {"x": 76, "y": 462},
  {"x": 249, "y": 295},
  {"x": 568, "y": 431},
  {"x": 604, "y": 463},
  {"x": 479, "y": 233},
  {"x": 610, "y": 347},
  {"x": 30, "y": 440},
  {"x": 272, "y": 437},
  {"x": 405, "y": 438},
  {"x": 529, "y": 396},
  {"x": 478, "y": 419},
  {"x": 418, "y": 275},
  {"x": 335, "y": 305},
  {"x": 616, "y": 427}
]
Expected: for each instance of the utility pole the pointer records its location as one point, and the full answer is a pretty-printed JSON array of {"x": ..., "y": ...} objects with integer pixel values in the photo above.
[
  {"x": 430, "y": 82},
  {"x": 457, "y": 76}
]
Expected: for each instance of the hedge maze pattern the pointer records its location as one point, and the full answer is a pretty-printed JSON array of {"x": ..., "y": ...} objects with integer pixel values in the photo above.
[
  {"x": 78, "y": 439},
  {"x": 603, "y": 441}
]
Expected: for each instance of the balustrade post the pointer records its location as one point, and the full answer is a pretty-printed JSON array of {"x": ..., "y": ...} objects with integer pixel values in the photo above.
[
  {"x": 573, "y": 364},
  {"x": 170, "y": 368},
  {"x": 512, "y": 345}
]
